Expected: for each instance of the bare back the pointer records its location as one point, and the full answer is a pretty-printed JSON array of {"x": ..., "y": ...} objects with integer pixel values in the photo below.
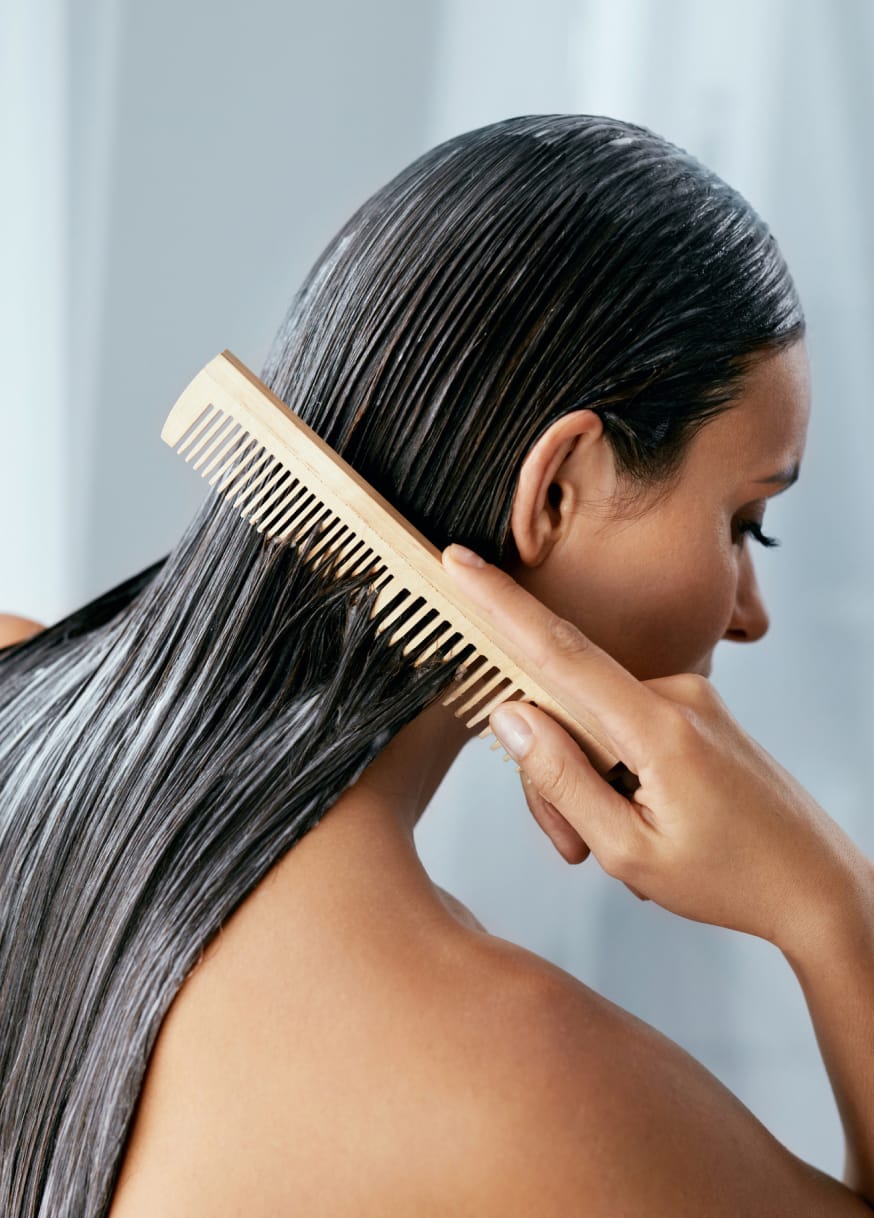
[
  {"x": 344, "y": 1049},
  {"x": 355, "y": 1043},
  {"x": 310, "y": 1062}
]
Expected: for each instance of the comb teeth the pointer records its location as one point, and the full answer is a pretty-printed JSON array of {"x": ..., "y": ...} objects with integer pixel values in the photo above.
[
  {"x": 203, "y": 430},
  {"x": 409, "y": 631},
  {"x": 337, "y": 550},
  {"x": 277, "y": 493},
  {"x": 242, "y": 463},
  {"x": 305, "y": 517},
  {"x": 351, "y": 557},
  {"x": 386, "y": 620},
  {"x": 438, "y": 641},
  {"x": 277, "y": 472},
  {"x": 301, "y": 507},
  {"x": 473, "y": 674},
  {"x": 492, "y": 679},
  {"x": 261, "y": 471},
  {"x": 231, "y": 440},
  {"x": 280, "y": 506},
  {"x": 214, "y": 446},
  {"x": 290, "y": 485},
  {"x": 334, "y": 530},
  {"x": 277, "y": 503}
]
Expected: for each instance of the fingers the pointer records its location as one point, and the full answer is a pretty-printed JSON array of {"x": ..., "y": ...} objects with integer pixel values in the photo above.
[
  {"x": 563, "y": 836},
  {"x": 560, "y": 773},
  {"x": 589, "y": 681}
]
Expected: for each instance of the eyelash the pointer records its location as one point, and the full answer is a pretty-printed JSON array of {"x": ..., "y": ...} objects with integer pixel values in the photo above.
[{"x": 753, "y": 526}]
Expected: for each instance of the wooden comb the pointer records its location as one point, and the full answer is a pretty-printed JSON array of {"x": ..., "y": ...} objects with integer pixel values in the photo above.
[{"x": 286, "y": 481}]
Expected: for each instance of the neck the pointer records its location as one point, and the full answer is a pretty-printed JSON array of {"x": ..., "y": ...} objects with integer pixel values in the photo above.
[{"x": 405, "y": 775}]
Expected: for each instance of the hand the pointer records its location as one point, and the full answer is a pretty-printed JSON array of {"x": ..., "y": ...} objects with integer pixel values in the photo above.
[{"x": 717, "y": 831}]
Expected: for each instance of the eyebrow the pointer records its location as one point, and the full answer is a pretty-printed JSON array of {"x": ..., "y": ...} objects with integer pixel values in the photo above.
[{"x": 786, "y": 476}]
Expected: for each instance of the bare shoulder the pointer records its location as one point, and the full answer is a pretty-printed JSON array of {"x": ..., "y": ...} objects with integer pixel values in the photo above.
[
  {"x": 587, "y": 1110},
  {"x": 14, "y": 629},
  {"x": 459, "y": 910}
]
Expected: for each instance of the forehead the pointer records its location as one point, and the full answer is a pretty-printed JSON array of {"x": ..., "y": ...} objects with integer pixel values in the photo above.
[{"x": 765, "y": 430}]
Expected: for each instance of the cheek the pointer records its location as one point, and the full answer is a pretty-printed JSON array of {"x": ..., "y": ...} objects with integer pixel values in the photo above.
[
  {"x": 678, "y": 623},
  {"x": 658, "y": 610}
]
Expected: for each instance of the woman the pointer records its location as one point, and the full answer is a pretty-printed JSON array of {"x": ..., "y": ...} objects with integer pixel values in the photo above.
[{"x": 558, "y": 339}]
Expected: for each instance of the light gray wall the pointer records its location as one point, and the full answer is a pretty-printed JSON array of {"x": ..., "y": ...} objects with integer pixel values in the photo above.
[
  {"x": 229, "y": 144},
  {"x": 34, "y": 325}
]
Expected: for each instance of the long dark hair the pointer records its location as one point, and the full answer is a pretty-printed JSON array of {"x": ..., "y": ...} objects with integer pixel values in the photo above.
[{"x": 164, "y": 746}]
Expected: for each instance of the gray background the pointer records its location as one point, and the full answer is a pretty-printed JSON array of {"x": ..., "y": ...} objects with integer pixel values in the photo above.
[{"x": 170, "y": 172}]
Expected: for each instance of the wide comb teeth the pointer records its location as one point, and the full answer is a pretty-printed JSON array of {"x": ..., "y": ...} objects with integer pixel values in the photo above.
[
  {"x": 291, "y": 486},
  {"x": 482, "y": 686},
  {"x": 279, "y": 505}
]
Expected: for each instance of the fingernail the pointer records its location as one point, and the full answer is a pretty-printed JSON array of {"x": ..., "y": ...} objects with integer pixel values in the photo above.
[
  {"x": 512, "y": 731},
  {"x": 461, "y": 554}
]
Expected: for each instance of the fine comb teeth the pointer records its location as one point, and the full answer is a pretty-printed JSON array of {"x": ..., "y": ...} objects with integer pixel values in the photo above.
[{"x": 286, "y": 481}]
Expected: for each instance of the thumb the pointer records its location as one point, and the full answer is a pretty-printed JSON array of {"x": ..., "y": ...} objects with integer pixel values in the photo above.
[{"x": 560, "y": 771}]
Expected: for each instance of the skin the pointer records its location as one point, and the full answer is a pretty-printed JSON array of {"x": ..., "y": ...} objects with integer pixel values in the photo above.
[
  {"x": 353, "y": 906},
  {"x": 657, "y": 588},
  {"x": 15, "y": 629}
]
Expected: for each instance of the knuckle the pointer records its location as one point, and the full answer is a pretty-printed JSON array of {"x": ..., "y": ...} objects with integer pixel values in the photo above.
[
  {"x": 614, "y": 859},
  {"x": 553, "y": 779},
  {"x": 565, "y": 637},
  {"x": 679, "y": 731}
]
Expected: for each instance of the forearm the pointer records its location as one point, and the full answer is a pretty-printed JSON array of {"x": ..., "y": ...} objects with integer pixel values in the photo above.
[{"x": 833, "y": 959}]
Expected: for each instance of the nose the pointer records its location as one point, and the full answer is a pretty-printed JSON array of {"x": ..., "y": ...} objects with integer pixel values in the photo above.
[{"x": 749, "y": 621}]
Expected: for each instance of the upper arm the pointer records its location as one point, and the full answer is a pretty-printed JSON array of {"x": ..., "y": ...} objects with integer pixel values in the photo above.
[
  {"x": 595, "y": 1113},
  {"x": 14, "y": 629}
]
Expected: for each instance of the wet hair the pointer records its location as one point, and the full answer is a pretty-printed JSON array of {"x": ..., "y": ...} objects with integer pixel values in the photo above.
[{"x": 164, "y": 746}]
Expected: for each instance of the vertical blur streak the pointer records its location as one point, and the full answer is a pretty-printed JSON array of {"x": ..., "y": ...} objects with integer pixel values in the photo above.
[
  {"x": 34, "y": 354},
  {"x": 95, "y": 129}
]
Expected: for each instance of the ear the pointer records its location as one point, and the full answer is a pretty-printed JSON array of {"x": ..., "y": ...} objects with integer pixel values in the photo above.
[{"x": 566, "y": 463}]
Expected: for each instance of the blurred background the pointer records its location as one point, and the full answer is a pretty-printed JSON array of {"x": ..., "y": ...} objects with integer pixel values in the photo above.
[{"x": 171, "y": 171}]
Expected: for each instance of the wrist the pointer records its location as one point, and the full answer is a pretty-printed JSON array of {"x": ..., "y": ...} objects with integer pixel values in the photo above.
[{"x": 836, "y": 922}]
